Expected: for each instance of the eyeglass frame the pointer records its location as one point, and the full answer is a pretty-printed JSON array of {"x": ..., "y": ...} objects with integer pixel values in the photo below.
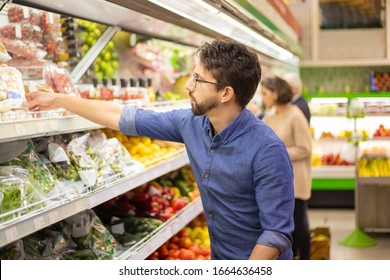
[{"x": 195, "y": 80}]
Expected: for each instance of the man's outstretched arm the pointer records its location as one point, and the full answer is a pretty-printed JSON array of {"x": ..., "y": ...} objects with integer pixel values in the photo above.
[{"x": 98, "y": 111}]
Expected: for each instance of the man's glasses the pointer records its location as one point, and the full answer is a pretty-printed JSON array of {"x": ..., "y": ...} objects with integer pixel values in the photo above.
[{"x": 195, "y": 79}]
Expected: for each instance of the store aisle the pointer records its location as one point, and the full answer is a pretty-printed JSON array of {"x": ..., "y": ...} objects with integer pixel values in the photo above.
[{"x": 341, "y": 223}]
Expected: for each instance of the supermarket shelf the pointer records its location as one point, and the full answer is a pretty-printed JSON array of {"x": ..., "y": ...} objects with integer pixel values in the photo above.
[
  {"x": 378, "y": 155},
  {"x": 35, "y": 221},
  {"x": 25, "y": 129},
  {"x": 373, "y": 181},
  {"x": 333, "y": 171},
  {"x": 144, "y": 248},
  {"x": 383, "y": 138},
  {"x": 52, "y": 124}
]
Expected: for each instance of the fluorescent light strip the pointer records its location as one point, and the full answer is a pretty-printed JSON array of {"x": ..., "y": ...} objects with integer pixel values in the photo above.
[
  {"x": 252, "y": 39},
  {"x": 207, "y": 6},
  {"x": 374, "y": 99},
  {"x": 329, "y": 100}
]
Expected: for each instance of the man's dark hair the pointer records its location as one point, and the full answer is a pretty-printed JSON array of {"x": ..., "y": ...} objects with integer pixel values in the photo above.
[
  {"x": 280, "y": 87},
  {"x": 232, "y": 64}
]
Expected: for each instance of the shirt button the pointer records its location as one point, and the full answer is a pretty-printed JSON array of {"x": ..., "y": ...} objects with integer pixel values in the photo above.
[
  {"x": 206, "y": 175},
  {"x": 212, "y": 151},
  {"x": 210, "y": 215}
]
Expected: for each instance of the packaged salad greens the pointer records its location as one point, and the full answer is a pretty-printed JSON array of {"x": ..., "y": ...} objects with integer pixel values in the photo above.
[
  {"x": 115, "y": 154},
  {"x": 84, "y": 164},
  {"x": 18, "y": 195},
  {"x": 38, "y": 172}
]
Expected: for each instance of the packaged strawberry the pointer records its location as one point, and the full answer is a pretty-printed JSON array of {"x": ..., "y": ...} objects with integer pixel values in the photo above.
[{"x": 59, "y": 79}]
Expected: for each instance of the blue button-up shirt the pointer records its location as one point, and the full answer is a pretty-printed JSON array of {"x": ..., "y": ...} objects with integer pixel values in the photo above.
[{"x": 244, "y": 175}]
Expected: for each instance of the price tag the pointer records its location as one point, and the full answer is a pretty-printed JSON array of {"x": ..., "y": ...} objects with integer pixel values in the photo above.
[
  {"x": 39, "y": 223},
  {"x": 115, "y": 192},
  {"x": 42, "y": 127},
  {"x": 53, "y": 217},
  {"x": 54, "y": 126},
  {"x": 80, "y": 206},
  {"x": 92, "y": 201},
  {"x": 11, "y": 234},
  {"x": 20, "y": 129},
  {"x": 26, "y": 13},
  {"x": 18, "y": 32}
]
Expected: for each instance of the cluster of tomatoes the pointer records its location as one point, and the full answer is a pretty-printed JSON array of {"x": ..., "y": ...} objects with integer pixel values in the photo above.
[{"x": 181, "y": 247}]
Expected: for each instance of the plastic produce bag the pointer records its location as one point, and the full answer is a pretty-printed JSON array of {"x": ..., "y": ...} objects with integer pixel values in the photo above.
[
  {"x": 82, "y": 161},
  {"x": 4, "y": 55},
  {"x": 67, "y": 179},
  {"x": 12, "y": 93},
  {"x": 13, "y": 251},
  {"x": 116, "y": 156},
  {"x": 105, "y": 173},
  {"x": 60, "y": 160},
  {"x": 37, "y": 171},
  {"x": 60, "y": 80},
  {"x": 17, "y": 195},
  {"x": 88, "y": 232}
]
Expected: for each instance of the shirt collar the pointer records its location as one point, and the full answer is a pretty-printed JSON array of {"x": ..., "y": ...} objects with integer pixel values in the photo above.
[{"x": 234, "y": 129}]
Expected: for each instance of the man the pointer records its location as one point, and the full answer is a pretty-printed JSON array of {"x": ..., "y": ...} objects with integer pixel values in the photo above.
[
  {"x": 242, "y": 168},
  {"x": 295, "y": 83}
]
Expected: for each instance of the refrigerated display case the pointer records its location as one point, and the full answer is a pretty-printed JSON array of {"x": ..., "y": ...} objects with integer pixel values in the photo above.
[
  {"x": 186, "y": 22},
  {"x": 335, "y": 138}
]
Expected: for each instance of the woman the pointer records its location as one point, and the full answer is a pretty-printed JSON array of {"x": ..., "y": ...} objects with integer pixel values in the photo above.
[{"x": 290, "y": 124}]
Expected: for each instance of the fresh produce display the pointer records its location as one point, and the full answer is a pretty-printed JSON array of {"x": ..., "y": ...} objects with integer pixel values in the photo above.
[
  {"x": 33, "y": 34},
  {"x": 379, "y": 81},
  {"x": 182, "y": 179},
  {"x": 79, "y": 237},
  {"x": 17, "y": 192},
  {"x": 381, "y": 131},
  {"x": 179, "y": 90},
  {"x": 59, "y": 80},
  {"x": 131, "y": 230},
  {"x": 35, "y": 169},
  {"x": 144, "y": 149},
  {"x": 374, "y": 167},
  {"x": 111, "y": 152},
  {"x": 190, "y": 243},
  {"x": 381, "y": 150},
  {"x": 106, "y": 64},
  {"x": 334, "y": 159},
  {"x": 12, "y": 93}
]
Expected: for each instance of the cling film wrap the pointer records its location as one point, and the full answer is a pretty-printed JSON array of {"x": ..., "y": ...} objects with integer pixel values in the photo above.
[
  {"x": 12, "y": 93},
  {"x": 66, "y": 177},
  {"x": 59, "y": 79},
  {"x": 83, "y": 162},
  {"x": 89, "y": 233},
  {"x": 38, "y": 172},
  {"x": 96, "y": 140},
  {"x": 17, "y": 193},
  {"x": 118, "y": 157},
  {"x": 13, "y": 251}
]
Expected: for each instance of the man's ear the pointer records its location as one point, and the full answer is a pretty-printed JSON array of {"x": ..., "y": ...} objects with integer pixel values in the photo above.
[{"x": 228, "y": 94}]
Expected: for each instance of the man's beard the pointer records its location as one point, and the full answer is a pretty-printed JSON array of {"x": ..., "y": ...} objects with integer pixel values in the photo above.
[{"x": 207, "y": 105}]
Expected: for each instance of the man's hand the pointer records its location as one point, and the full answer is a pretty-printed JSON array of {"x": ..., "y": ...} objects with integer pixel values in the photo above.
[
  {"x": 41, "y": 101},
  {"x": 102, "y": 112}
]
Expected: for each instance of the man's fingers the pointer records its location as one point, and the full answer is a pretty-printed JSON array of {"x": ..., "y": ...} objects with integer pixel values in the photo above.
[
  {"x": 30, "y": 95},
  {"x": 30, "y": 104}
]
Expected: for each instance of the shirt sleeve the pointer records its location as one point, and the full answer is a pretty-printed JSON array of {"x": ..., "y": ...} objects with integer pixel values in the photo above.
[
  {"x": 274, "y": 188},
  {"x": 166, "y": 126}
]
